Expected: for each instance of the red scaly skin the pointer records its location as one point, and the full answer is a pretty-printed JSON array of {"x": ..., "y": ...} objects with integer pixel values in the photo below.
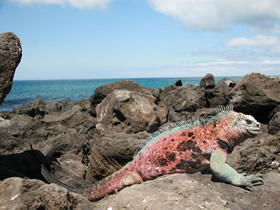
[{"x": 185, "y": 151}]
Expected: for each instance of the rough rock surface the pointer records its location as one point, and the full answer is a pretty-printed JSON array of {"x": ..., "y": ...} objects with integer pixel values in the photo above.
[
  {"x": 226, "y": 83},
  {"x": 18, "y": 193},
  {"x": 110, "y": 151},
  {"x": 104, "y": 90},
  {"x": 10, "y": 55},
  {"x": 207, "y": 82},
  {"x": 194, "y": 191},
  {"x": 188, "y": 98},
  {"x": 256, "y": 94},
  {"x": 274, "y": 124},
  {"x": 130, "y": 112}
]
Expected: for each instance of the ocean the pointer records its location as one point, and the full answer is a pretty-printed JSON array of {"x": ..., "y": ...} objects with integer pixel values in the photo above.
[{"x": 25, "y": 91}]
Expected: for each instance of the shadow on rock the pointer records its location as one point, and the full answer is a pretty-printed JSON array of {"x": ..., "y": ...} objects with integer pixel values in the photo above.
[{"x": 24, "y": 164}]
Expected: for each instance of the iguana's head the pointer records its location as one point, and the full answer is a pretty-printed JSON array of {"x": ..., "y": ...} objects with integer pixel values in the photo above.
[
  {"x": 236, "y": 126},
  {"x": 242, "y": 126},
  {"x": 246, "y": 123}
]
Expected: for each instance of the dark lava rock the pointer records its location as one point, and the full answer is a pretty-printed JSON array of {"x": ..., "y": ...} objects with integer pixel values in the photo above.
[
  {"x": 188, "y": 98},
  {"x": 226, "y": 83},
  {"x": 18, "y": 193},
  {"x": 179, "y": 83},
  {"x": 207, "y": 82},
  {"x": 274, "y": 124},
  {"x": 10, "y": 55},
  {"x": 130, "y": 112},
  {"x": 255, "y": 155},
  {"x": 104, "y": 90},
  {"x": 110, "y": 151},
  {"x": 257, "y": 95}
]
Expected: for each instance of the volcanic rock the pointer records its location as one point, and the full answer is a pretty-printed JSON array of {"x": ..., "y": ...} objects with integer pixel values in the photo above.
[
  {"x": 207, "y": 82},
  {"x": 274, "y": 124},
  {"x": 188, "y": 98},
  {"x": 104, "y": 90},
  {"x": 10, "y": 56},
  {"x": 130, "y": 112},
  {"x": 111, "y": 151},
  {"x": 257, "y": 95}
]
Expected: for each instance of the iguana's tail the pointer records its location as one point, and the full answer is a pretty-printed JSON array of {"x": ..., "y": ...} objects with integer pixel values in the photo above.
[
  {"x": 98, "y": 190},
  {"x": 50, "y": 179}
]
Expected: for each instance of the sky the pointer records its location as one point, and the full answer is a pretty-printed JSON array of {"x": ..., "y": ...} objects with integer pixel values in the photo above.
[{"x": 92, "y": 39}]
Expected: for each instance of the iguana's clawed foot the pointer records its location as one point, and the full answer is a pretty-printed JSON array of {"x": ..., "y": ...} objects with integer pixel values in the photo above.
[{"x": 248, "y": 181}]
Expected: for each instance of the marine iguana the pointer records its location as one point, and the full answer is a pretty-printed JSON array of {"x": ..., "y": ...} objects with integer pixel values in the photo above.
[{"x": 185, "y": 147}]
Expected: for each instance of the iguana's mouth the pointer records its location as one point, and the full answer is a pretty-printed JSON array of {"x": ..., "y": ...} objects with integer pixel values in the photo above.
[{"x": 254, "y": 131}]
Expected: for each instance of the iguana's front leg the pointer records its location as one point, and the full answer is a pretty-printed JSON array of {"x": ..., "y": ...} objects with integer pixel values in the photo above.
[{"x": 226, "y": 173}]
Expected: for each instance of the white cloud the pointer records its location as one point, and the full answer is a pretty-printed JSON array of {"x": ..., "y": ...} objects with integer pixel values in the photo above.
[
  {"x": 216, "y": 14},
  {"x": 271, "y": 44},
  {"x": 258, "y": 41},
  {"x": 81, "y": 4},
  {"x": 228, "y": 67}
]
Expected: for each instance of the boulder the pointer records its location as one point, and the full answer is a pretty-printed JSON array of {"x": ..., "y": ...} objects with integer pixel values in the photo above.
[
  {"x": 226, "y": 83},
  {"x": 188, "y": 98},
  {"x": 216, "y": 96},
  {"x": 130, "y": 112},
  {"x": 104, "y": 90},
  {"x": 255, "y": 155},
  {"x": 257, "y": 95},
  {"x": 274, "y": 124},
  {"x": 111, "y": 151},
  {"x": 10, "y": 56},
  {"x": 207, "y": 82},
  {"x": 178, "y": 83}
]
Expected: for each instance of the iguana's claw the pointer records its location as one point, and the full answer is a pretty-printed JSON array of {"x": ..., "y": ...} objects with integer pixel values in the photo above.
[{"x": 249, "y": 181}]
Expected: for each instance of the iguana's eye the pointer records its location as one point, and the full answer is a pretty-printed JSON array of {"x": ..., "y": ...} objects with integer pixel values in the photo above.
[{"x": 249, "y": 122}]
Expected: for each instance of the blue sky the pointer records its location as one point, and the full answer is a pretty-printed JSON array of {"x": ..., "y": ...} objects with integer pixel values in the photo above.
[{"x": 88, "y": 39}]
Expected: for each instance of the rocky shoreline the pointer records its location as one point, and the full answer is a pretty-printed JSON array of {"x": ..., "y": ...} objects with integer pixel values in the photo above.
[{"x": 87, "y": 140}]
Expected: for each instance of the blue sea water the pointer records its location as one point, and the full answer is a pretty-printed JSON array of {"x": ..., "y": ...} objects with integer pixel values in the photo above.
[{"x": 24, "y": 92}]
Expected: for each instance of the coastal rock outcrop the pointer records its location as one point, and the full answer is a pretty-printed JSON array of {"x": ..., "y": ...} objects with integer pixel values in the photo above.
[
  {"x": 256, "y": 94},
  {"x": 87, "y": 140},
  {"x": 130, "y": 112},
  {"x": 104, "y": 90},
  {"x": 182, "y": 99},
  {"x": 226, "y": 83},
  {"x": 207, "y": 82},
  {"x": 18, "y": 193},
  {"x": 110, "y": 151},
  {"x": 274, "y": 124},
  {"x": 10, "y": 56}
]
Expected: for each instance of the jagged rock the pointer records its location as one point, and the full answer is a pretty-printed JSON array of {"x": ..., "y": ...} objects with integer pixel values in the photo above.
[
  {"x": 110, "y": 151},
  {"x": 59, "y": 106},
  {"x": 18, "y": 193},
  {"x": 130, "y": 112},
  {"x": 255, "y": 155},
  {"x": 10, "y": 55},
  {"x": 188, "y": 98},
  {"x": 226, "y": 83},
  {"x": 216, "y": 96},
  {"x": 178, "y": 83},
  {"x": 104, "y": 90},
  {"x": 257, "y": 95},
  {"x": 207, "y": 82},
  {"x": 274, "y": 124}
]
